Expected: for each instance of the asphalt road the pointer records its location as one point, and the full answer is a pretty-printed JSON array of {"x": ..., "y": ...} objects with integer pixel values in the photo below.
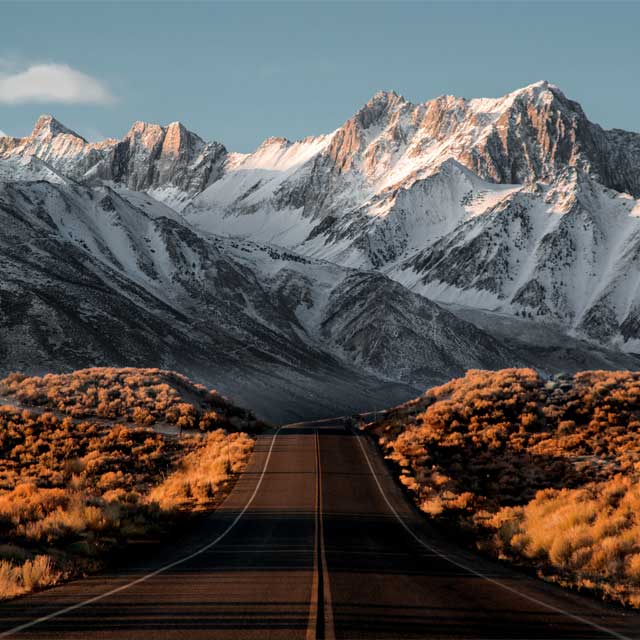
[{"x": 315, "y": 541}]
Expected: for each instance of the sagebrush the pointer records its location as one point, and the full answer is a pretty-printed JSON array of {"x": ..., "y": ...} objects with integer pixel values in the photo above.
[{"x": 541, "y": 472}]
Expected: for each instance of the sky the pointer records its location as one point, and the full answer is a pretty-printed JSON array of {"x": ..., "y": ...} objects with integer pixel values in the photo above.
[{"x": 242, "y": 71}]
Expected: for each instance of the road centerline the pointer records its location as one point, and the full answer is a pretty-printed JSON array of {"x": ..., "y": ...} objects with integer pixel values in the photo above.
[{"x": 321, "y": 624}]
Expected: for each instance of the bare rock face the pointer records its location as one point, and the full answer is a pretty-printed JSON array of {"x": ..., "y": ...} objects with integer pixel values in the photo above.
[
  {"x": 149, "y": 157},
  {"x": 350, "y": 144},
  {"x": 152, "y": 157},
  {"x": 61, "y": 148},
  {"x": 541, "y": 132},
  {"x": 528, "y": 135}
]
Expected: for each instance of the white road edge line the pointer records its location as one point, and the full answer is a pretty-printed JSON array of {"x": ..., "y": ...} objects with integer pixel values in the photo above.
[
  {"x": 148, "y": 576},
  {"x": 436, "y": 551}
]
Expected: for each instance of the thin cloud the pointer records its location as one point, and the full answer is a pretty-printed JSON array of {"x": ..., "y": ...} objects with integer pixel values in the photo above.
[
  {"x": 2, "y": 133},
  {"x": 51, "y": 82}
]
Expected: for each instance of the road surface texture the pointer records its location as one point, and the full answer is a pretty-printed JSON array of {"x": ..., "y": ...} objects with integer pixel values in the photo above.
[{"x": 315, "y": 541}]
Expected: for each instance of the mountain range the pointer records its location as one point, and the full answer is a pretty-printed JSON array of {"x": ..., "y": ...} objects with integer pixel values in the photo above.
[{"x": 334, "y": 273}]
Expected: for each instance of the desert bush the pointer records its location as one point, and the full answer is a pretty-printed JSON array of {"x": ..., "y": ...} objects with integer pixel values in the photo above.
[
  {"x": 540, "y": 472},
  {"x": 204, "y": 470},
  {"x": 16, "y": 579},
  {"x": 76, "y": 485},
  {"x": 143, "y": 396}
]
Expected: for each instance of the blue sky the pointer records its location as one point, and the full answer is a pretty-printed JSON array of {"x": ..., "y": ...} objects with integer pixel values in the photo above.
[{"x": 240, "y": 72}]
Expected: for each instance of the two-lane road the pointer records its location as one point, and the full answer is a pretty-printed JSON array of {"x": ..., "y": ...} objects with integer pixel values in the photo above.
[{"x": 315, "y": 541}]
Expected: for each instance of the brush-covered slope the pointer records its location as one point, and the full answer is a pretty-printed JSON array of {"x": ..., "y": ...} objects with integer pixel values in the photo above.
[
  {"x": 543, "y": 472},
  {"x": 89, "y": 466},
  {"x": 143, "y": 396}
]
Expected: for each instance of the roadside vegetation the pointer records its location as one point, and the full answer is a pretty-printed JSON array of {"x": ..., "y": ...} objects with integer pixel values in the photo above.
[
  {"x": 542, "y": 473},
  {"x": 143, "y": 396},
  {"x": 83, "y": 474}
]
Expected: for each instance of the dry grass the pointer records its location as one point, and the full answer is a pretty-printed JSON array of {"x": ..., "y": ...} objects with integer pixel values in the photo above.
[
  {"x": 73, "y": 491},
  {"x": 543, "y": 473},
  {"x": 31, "y": 575},
  {"x": 202, "y": 472}
]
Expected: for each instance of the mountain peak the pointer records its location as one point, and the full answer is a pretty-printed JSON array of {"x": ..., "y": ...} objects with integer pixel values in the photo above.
[
  {"x": 539, "y": 91},
  {"x": 141, "y": 127},
  {"x": 385, "y": 95},
  {"x": 275, "y": 141},
  {"x": 48, "y": 127},
  {"x": 175, "y": 133},
  {"x": 539, "y": 85},
  {"x": 381, "y": 103},
  {"x": 176, "y": 137},
  {"x": 384, "y": 98}
]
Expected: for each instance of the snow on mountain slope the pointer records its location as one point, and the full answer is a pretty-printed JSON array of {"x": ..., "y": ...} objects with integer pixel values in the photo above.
[
  {"x": 400, "y": 222},
  {"x": 170, "y": 161},
  {"x": 344, "y": 202},
  {"x": 241, "y": 198},
  {"x": 567, "y": 252},
  {"x": 97, "y": 275},
  {"x": 501, "y": 204},
  {"x": 62, "y": 149},
  {"x": 28, "y": 168},
  {"x": 398, "y": 180}
]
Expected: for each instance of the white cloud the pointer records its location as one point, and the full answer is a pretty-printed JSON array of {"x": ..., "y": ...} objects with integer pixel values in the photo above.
[
  {"x": 2, "y": 133},
  {"x": 52, "y": 82}
]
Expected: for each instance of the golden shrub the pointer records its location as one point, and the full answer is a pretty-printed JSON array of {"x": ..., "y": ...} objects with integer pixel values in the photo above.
[
  {"x": 77, "y": 475},
  {"x": 545, "y": 472}
]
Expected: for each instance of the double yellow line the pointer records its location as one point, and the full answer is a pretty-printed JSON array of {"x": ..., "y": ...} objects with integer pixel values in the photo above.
[{"x": 321, "y": 611}]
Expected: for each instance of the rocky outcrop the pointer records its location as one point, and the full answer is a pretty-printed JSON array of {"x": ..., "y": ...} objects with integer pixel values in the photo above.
[
  {"x": 149, "y": 157},
  {"x": 152, "y": 157}
]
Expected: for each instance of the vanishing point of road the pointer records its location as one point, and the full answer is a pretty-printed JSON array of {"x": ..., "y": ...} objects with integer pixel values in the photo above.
[{"x": 316, "y": 540}]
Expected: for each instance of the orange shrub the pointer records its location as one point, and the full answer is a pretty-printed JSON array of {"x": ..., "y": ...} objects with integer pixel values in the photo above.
[
  {"x": 76, "y": 481},
  {"x": 545, "y": 472},
  {"x": 144, "y": 396}
]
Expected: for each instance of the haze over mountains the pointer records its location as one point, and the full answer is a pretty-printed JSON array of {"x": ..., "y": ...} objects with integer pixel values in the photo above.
[{"x": 308, "y": 277}]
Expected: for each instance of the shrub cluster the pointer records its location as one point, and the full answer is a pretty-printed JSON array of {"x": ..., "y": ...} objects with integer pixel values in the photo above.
[
  {"x": 197, "y": 479},
  {"x": 75, "y": 486},
  {"x": 51, "y": 451},
  {"x": 541, "y": 472},
  {"x": 143, "y": 396}
]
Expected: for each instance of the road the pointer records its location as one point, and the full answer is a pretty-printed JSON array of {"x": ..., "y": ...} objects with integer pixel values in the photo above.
[{"x": 315, "y": 541}]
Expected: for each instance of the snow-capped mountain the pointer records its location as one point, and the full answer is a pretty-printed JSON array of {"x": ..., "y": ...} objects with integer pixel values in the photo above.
[
  {"x": 305, "y": 273},
  {"x": 391, "y": 187},
  {"x": 94, "y": 275},
  {"x": 171, "y": 160},
  {"x": 568, "y": 250}
]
